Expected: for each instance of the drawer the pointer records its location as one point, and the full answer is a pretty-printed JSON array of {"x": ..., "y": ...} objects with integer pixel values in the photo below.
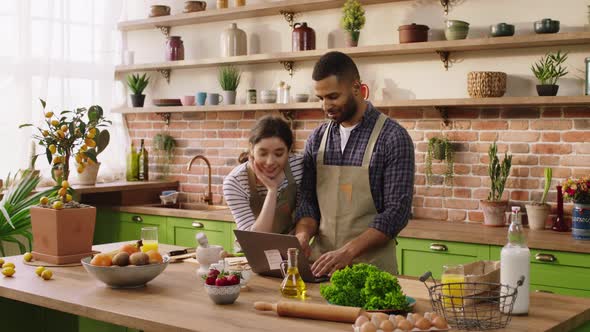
[
  {"x": 140, "y": 218},
  {"x": 182, "y": 232},
  {"x": 560, "y": 290}
]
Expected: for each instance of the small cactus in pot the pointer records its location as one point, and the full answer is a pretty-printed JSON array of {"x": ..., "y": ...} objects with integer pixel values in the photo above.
[{"x": 539, "y": 211}]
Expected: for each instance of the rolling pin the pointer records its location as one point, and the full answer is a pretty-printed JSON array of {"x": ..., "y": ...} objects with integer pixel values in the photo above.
[{"x": 333, "y": 313}]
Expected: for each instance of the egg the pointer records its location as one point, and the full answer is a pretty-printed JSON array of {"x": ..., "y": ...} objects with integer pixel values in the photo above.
[
  {"x": 440, "y": 323},
  {"x": 368, "y": 327},
  {"x": 360, "y": 320},
  {"x": 399, "y": 317},
  {"x": 376, "y": 320},
  {"x": 417, "y": 317},
  {"x": 410, "y": 318},
  {"x": 405, "y": 325},
  {"x": 423, "y": 324},
  {"x": 381, "y": 316},
  {"x": 393, "y": 320},
  {"x": 386, "y": 326}
]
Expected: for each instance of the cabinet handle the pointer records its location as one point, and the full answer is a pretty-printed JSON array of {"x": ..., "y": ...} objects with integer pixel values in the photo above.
[
  {"x": 438, "y": 247},
  {"x": 545, "y": 258},
  {"x": 137, "y": 219},
  {"x": 544, "y": 291},
  {"x": 198, "y": 225}
]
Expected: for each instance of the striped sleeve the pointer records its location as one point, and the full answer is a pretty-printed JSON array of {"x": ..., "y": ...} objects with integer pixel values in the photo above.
[{"x": 238, "y": 198}]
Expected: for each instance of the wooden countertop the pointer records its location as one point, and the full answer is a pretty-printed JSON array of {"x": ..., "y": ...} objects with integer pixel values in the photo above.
[
  {"x": 176, "y": 301},
  {"x": 220, "y": 215},
  {"x": 120, "y": 186}
]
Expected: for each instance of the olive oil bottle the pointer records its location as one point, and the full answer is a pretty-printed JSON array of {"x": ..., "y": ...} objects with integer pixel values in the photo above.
[
  {"x": 132, "y": 172},
  {"x": 293, "y": 286},
  {"x": 143, "y": 162}
]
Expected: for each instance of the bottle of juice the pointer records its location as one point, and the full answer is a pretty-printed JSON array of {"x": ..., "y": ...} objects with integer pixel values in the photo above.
[
  {"x": 515, "y": 262},
  {"x": 293, "y": 286}
]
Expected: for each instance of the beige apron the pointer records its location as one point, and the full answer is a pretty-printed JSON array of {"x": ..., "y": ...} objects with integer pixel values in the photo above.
[
  {"x": 283, "y": 220},
  {"x": 347, "y": 207}
]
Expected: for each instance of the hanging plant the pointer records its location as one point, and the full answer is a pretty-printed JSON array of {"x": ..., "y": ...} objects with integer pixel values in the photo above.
[
  {"x": 164, "y": 144},
  {"x": 440, "y": 149}
]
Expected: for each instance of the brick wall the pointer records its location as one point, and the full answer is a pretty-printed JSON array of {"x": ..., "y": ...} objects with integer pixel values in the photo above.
[{"x": 537, "y": 137}]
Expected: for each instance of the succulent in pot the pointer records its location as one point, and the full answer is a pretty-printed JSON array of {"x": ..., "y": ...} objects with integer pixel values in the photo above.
[
  {"x": 548, "y": 71},
  {"x": 440, "y": 149},
  {"x": 229, "y": 80},
  {"x": 539, "y": 211},
  {"x": 137, "y": 84},
  {"x": 353, "y": 21},
  {"x": 494, "y": 207}
]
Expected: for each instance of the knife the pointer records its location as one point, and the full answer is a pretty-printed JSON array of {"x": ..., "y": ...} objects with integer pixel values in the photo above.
[{"x": 181, "y": 252}]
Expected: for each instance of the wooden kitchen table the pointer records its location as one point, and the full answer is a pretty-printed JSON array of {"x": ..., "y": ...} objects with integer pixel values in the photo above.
[{"x": 176, "y": 301}]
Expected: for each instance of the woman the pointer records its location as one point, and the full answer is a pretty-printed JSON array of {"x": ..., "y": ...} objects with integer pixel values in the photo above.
[{"x": 262, "y": 191}]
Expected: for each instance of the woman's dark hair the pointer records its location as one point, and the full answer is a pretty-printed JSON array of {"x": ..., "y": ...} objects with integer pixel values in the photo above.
[{"x": 267, "y": 127}]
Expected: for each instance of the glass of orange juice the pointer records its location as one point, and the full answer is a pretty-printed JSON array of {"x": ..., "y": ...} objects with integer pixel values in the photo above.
[
  {"x": 452, "y": 289},
  {"x": 149, "y": 238}
]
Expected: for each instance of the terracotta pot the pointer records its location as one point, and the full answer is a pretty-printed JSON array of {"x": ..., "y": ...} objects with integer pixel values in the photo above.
[
  {"x": 62, "y": 236},
  {"x": 88, "y": 177},
  {"x": 413, "y": 33},
  {"x": 352, "y": 38},
  {"x": 493, "y": 212},
  {"x": 303, "y": 37},
  {"x": 537, "y": 215}
]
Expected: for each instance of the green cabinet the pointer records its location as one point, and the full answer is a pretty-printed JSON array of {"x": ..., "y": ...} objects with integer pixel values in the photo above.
[
  {"x": 105, "y": 227},
  {"x": 128, "y": 226},
  {"x": 556, "y": 271},
  {"x": 182, "y": 232}
]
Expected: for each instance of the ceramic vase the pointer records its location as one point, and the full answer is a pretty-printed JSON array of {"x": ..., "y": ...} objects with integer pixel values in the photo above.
[{"x": 233, "y": 41}]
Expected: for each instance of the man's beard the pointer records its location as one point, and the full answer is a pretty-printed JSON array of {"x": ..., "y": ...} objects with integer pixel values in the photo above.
[{"x": 348, "y": 110}]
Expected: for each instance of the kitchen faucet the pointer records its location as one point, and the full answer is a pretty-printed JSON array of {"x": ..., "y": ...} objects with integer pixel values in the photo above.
[{"x": 209, "y": 197}]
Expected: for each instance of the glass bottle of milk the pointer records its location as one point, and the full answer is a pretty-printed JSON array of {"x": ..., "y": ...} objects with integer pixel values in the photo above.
[{"x": 515, "y": 262}]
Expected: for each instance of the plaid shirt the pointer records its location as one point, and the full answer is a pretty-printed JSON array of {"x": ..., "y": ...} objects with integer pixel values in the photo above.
[{"x": 391, "y": 170}]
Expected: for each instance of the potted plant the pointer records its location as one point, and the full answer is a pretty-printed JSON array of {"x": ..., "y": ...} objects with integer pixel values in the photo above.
[
  {"x": 229, "y": 79},
  {"x": 15, "y": 224},
  {"x": 548, "y": 70},
  {"x": 578, "y": 191},
  {"x": 62, "y": 228},
  {"x": 440, "y": 149},
  {"x": 164, "y": 144},
  {"x": 353, "y": 21},
  {"x": 494, "y": 207},
  {"x": 137, "y": 84},
  {"x": 537, "y": 212}
]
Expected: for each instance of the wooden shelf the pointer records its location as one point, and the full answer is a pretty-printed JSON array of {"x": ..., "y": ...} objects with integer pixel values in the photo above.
[
  {"x": 480, "y": 44},
  {"x": 391, "y": 104},
  {"x": 249, "y": 11}
]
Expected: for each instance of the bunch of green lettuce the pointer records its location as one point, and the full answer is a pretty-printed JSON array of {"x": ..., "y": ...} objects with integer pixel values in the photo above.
[{"x": 365, "y": 286}]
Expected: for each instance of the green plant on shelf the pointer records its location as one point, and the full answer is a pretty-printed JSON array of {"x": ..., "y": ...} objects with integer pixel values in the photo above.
[
  {"x": 498, "y": 172},
  {"x": 164, "y": 145},
  {"x": 440, "y": 149},
  {"x": 354, "y": 16},
  {"x": 229, "y": 78},
  {"x": 550, "y": 68},
  {"x": 137, "y": 83}
]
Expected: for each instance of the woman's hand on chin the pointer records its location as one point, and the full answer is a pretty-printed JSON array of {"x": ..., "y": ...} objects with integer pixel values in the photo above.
[{"x": 271, "y": 184}]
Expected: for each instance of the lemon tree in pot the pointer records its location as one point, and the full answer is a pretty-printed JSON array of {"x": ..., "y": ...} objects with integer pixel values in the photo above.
[
  {"x": 440, "y": 149},
  {"x": 62, "y": 228},
  {"x": 353, "y": 21},
  {"x": 538, "y": 212},
  {"x": 548, "y": 70},
  {"x": 494, "y": 207}
]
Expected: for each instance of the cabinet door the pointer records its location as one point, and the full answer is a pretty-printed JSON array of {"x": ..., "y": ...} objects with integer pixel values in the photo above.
[
  {"x": 182, "y": 232},
  {"x": 129, "y": 226},
  {"x": 557, "y": 271},
  {"x": 416, "y": 256},
  {"x": 105, "y": 228}
]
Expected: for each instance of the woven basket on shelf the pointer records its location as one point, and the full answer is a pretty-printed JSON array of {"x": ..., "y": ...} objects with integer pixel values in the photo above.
[{"x": 482, "y": 84}]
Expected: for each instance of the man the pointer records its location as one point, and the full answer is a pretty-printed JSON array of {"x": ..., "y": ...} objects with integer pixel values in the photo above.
[{"x": 358, "y": 176}]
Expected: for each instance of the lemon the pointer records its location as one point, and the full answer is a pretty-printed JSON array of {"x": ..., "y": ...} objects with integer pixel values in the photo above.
[
  {"x": 58, "y": 205},
  {"x": 1, "y": 262},
  {"x": 62, "y": 191},
  {"x": 90, "y": 135},
  {"x": 8, "y": 264},
  {"x": 65, "y": 184},
  {"x": 64, "y": 128},
  {"x": 47, "y": 274},
  {"x": 8, "y": 271},
  {"x": 39, "y": 270},
  {"x": 90, "y": 142},
  {"x": 92, "y": 131},
  {"x": 48, "y": 114},
  {"x": 68, "y": 198},
  {"x": 57, "y": 160},
  {"x": 52, "y": 148},
  {"x": 79, "y": 158},
  {"x": 83, "y": 147},
  {"x": 45, "y": 133},
  {"x": 55, "y": 123},
  {"x": 60, "y": 134},
  {"x": 80, "y": 168},
  {"x": 28, "y": 257},
  {"x": 44, "y": 200}
]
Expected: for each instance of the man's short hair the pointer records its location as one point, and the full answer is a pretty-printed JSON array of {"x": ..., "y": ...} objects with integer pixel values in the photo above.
[{"x": 337, "y": 64}]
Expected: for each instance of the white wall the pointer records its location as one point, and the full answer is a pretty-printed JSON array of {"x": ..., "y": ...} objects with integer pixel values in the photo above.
[{"x": 399, "y": 77}]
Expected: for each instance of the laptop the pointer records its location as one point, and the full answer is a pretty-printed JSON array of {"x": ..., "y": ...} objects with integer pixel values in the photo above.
[{"x": 265, "y": 251}]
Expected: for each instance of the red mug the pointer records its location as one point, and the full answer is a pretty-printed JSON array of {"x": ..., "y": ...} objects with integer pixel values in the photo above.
[{"x": 365, "y": 91}]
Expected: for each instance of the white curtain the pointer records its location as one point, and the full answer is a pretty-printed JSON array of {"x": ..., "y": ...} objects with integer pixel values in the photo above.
[{"x": 63, "y": 51}]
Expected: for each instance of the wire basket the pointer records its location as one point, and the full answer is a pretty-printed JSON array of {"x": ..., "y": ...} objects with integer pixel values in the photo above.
[{"x": 473, "y": 305}]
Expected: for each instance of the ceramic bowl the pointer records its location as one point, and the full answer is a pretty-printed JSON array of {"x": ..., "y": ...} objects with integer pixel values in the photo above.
[
  {"x": 546, "y": 25},
  {"x": 159, "y": 10},
  {"x": 456, "y": 34},
  {"x": 456, "y": 24},
  {"x": 301, "y": 98},
  {"x": 194, "y": 6},
  {"x": 413, "y": 33},
  {"x": 268, "y": 96},
  {"x": 502, "y": 30},
  {"x": 223, "y": 294},
  {"x": 131, "y": 276}
]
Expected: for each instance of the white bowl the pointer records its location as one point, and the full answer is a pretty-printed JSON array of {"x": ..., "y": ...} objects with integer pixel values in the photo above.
[
  {"x": 131, "y": 276},
  {"x": 223, "y": 294},
  {"x": 301, "y": 98}
]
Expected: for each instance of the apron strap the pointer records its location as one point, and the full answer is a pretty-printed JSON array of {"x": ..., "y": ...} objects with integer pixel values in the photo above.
[
  {"x": 322, "y": 148},
  {"x": 288, "y": 173},
  {"x": 255, "y": 199},
  {"x": 373, "y": 139}
]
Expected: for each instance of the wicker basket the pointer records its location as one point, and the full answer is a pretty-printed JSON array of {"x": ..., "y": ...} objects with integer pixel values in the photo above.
[{"x": 483, "y": 84}]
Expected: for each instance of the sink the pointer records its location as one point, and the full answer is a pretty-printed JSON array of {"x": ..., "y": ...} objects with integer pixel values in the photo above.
[{"x": 191, "y": 206}]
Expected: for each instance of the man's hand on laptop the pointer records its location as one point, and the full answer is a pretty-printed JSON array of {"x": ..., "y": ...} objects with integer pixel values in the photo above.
[{"x": 331, "y": 262}]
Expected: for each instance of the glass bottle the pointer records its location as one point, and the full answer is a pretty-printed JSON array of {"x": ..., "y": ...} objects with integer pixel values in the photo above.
[
  {"x": 292, "y": 286},
  {"x": 280, "y": 92},
  {"x": 515, "y": 263},
  {"x": 143, "y": 162},
  {"x": 587, "y": 81},
  {"x": 452, "y": 278},
  {"x": 132, "y": 172},
  {"x": 559, "y": 224}
]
